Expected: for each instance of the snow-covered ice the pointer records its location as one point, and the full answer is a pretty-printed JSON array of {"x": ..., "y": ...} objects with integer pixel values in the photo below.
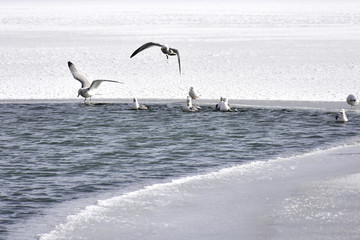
[
  {"x": 244, "y": 51},
  {"x": 314, "y": 196}
]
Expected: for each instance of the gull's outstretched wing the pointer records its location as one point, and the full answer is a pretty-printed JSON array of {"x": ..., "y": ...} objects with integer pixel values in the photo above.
[
  {"x": 178, "y": 56},
  {"x": 145, "y": 46},
  {"x": 96, "y": 83},
  {"x": 78, "y": 76}
]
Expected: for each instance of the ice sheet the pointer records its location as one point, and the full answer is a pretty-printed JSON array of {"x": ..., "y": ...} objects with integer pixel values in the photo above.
[
  {"x": 249, "y": 51},
  {"x": 304, "y": 197}
]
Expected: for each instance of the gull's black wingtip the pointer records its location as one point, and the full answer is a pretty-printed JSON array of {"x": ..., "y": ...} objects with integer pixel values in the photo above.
[{"x": 70, "y": 63}]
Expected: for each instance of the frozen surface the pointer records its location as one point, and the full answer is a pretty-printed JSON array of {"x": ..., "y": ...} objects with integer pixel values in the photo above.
[
  {"x": 314, "y": 196},
  {"x": 245, "y": 51}
]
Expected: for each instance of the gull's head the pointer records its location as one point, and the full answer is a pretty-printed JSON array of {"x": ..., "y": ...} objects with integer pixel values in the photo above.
[
  {"x": 342, "y": 111},
  {"x": 165, "y": 48},
  {"x": 134, "y": 99},
  {"x": 191, "y": 88},
  {"x": 351, "y": 97},
  {"x": 352, "y": 100}
]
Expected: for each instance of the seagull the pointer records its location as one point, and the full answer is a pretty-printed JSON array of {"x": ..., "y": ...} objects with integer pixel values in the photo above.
[
  {"x": 224, "y": 106},
  {"x": 164, "y": 48},
  {"x": 188, "y": 107},
  {"x": 194, "y": 95},
  {"x": 217, "y": 107},
  {"x": 341, "y": 116},
  {"x": 87, "y": 90},
  {"x": 352, "y": 100},
  {"x": 136, "y": 106}
]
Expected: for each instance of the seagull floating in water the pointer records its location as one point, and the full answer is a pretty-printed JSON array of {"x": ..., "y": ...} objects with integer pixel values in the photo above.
[
  {"x": 341, "y": 116},
  {"x": 164, "y": 48},
  {"x": 87, "y": 90},
  {"x": 352, "y": 100},
  {"x": 188, "y": 107},
  {"x": 224, "y": 106},
  {"x": 217, "y": 107},
  {"x": 136, "y": 106}
]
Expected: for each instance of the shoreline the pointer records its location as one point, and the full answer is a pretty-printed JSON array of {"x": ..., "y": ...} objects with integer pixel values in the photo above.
[
  {"x": 291, "y": 198},
  {"x": 237, "y": 102}
]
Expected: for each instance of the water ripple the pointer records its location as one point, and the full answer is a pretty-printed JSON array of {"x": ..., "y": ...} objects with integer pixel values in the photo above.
[{"x": 56, "y": 152}]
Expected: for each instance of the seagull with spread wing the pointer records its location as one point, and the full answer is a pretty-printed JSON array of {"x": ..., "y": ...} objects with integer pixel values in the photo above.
[
  {"x": 87, "y": 90},
  {"x": 164, "y": 48}
]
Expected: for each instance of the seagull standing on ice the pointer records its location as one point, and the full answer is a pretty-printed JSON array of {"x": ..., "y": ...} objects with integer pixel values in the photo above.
[
  {"x": 164, "y": 48},
  {"x": 136, "y": 106},
  {"x": 341, "y": 116},
  {"x": 352, "y": 100},
  {"x": 194, "y": 95},
  {"x": 87, "y": 90}
]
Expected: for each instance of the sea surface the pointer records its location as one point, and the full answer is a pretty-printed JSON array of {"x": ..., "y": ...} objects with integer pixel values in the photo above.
[{"x": 57, "y": 157}]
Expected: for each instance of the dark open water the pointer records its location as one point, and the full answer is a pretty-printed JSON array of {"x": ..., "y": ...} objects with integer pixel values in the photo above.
[{"x": 56, "y": 152}]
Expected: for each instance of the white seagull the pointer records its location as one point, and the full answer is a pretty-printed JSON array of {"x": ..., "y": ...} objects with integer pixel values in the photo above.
[
  {"x": 217, "y": 107},
  {"x": 341, "y": 116},
  {"x": 164, "y": 48},
  {"x": 188, "y": 107},
  {"x": 136, "y": 106},
  {"x": 352, "y": 100},
  {"x": 87, "y": 90},
  {"x": 224, "y": 106},
  {"x": 194, "y": 95}
]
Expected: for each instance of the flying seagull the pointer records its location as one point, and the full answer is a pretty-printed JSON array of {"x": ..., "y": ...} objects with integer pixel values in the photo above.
[
  {"x": 164, "y": 48},
  {"x": 87, "y": 90}
]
